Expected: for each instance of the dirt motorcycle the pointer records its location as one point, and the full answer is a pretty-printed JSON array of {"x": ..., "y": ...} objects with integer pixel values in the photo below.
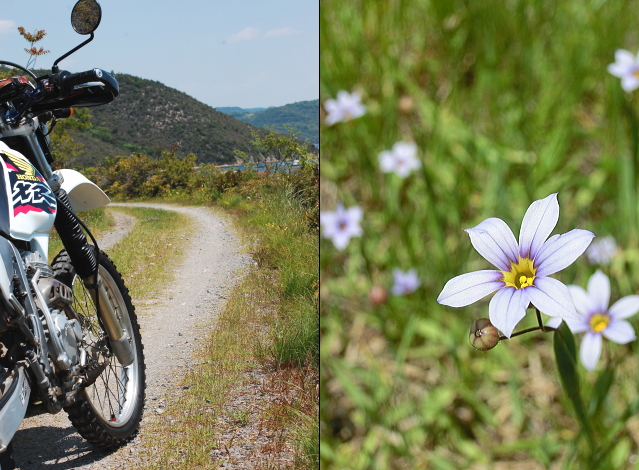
[{"x": 69, "y": 336}]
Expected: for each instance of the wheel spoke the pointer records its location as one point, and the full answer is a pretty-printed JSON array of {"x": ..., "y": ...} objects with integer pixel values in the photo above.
[{"x": 115, "y": 398}]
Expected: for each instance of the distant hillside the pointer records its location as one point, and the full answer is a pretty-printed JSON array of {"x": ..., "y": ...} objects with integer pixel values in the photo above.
[
  {"x": 303, "y": 116},
  {"x": 149, "y": 115}
]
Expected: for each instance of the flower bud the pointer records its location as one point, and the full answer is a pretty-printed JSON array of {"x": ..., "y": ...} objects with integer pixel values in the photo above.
[
  {"x": 483, "y": 335},
  {"x": 377, "y": 294}
]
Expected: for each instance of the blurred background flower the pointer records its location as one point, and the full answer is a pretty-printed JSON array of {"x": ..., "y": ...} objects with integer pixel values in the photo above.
[
  {"x": 344, "y": 108},
  {"x": 405, "y": 283},
  {"x": 402, "y": 159},
  {"x": 626, "y": 67},
  {"x": 597, "y": 319},
  {"x": 602, "y": 250},
  {"x": 341, "y": 225}
]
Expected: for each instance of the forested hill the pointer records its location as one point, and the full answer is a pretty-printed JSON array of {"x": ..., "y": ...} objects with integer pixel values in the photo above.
[
  {"x": 303, "y": 116},
  {"x": 149, "y": 115}
]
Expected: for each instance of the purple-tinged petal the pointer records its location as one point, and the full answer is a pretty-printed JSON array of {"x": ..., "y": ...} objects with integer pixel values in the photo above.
[
  {"x": 576, "y": 326},
  {"x": 560, "y": 251},
  {"x": 387, "y": 163},
  {"x": 599, "y": 292},
  {"x": 327, "y": 219},
  {"x": 624, "y": 307},
  {"x": 629, "y": 83},
  {"x": 494, "y": 240},
  {"x": 539, "y": 221},
  {"x": 620, "y": 332},
  {"x": 624, "y": 57},
  {"x": 581, "y": 299},
  {"x": 507, "y": 308},
  {"x": 355, "y": 213},
  {"x": 340, "y": 240},
  {"x": 552, "y": 298},
  {"x": 405, "y": 282},
  {"x": 618, "y": 70},
  {"x": 468, "y": 288},
  {"x": 590, "y": 350}
]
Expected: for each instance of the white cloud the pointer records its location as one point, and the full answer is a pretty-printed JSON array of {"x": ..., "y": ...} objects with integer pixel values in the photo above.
[
  {"x": 281, "y": 32},
  {"x": 245, "y": 35},
  {"x": 7, "y": 26}
]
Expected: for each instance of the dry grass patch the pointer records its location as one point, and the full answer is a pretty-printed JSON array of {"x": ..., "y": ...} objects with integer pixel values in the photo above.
[
  {"x": 217, "y": 415},
  {"x": 158, "y": 239},
  {"x": 234, "y": 408}
]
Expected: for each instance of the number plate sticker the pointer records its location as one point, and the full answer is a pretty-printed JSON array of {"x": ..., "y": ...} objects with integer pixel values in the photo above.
[{"x": 29, "y": 191}]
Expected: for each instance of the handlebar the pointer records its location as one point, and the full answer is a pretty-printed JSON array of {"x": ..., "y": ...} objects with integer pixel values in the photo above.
[
  {"x": 69, "y": 80},
  {"x": 62, "y": 90}
]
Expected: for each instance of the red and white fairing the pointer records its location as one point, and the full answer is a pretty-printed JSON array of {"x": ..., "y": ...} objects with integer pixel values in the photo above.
[{"x": 27, "y": 204}]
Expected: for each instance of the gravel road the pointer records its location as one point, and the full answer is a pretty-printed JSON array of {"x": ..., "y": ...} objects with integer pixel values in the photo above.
[{"x": 171, "y": 327}]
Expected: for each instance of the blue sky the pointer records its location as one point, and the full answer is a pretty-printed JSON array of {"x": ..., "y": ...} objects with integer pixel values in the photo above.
[{"x": 246, "y": 53}]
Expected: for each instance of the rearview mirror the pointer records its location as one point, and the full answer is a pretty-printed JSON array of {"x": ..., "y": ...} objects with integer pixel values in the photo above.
[{"x": 86, "y": 16}]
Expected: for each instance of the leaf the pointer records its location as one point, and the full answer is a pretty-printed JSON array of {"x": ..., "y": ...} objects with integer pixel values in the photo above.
[
  {"x": 600, "y": 391},
  {"x": 566, "y": 356}
]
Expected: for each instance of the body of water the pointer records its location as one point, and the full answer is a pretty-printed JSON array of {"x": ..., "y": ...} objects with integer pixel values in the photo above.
[{"x": 281, "y": 166}]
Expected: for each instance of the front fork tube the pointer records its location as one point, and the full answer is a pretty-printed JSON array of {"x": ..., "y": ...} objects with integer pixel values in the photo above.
[{"x": 118, "y": 337}]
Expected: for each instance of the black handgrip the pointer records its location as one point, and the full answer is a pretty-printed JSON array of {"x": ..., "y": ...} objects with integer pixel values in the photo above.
[{"x": 71, "y": 80}]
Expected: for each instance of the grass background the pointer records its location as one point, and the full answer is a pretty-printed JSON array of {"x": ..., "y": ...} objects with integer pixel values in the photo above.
[{"x": 508, "y": 101}]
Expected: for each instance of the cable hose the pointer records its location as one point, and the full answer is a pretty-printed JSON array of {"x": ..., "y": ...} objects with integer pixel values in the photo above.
[
  {"x": 69, "y": 225},
  {"x": 84, "y": 257}
]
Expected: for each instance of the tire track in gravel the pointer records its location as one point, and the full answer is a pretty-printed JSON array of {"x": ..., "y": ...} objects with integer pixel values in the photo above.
[{"x": 172, "y": 327}]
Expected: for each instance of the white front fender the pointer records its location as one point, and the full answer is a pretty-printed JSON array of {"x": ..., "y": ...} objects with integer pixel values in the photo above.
[{"x": 83, "y": 194}]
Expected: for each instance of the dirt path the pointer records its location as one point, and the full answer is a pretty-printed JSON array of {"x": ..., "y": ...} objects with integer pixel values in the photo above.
[{"x": 171, "y": 328}]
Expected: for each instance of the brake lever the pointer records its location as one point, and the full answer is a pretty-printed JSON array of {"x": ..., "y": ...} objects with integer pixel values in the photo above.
[{"x": 16, "y": 116}]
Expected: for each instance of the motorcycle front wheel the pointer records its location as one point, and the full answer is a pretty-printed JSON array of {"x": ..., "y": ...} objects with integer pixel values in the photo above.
[{"x": 108, "y": 412}]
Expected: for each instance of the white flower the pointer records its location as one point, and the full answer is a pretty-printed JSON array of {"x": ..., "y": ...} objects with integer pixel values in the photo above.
[
  {"x": 341, "y": 225},
  {"x": 626, "y": 67},
  {"x": 523, "y": 269},
  {"x": 597, "y": 320},
  {"x": 344, "y": 108},
  {"x": 601, "y": 251},
  {"x": 402, "y": 159},
  {"x": 405, "y": 282}
]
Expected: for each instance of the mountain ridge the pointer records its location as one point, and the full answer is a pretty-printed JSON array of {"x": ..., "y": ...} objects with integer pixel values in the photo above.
[
  {"x": 303, "y": 116},
  {"x": 148, "y": 117}
]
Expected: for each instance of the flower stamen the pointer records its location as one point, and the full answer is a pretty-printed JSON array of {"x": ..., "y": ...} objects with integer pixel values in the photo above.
[
  {"x": 598, "y": 322},
  {"x": 521, "y": 274}
]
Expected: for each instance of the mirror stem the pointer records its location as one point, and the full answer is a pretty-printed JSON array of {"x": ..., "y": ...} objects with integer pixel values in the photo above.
[{"x": 55, "y": 68}]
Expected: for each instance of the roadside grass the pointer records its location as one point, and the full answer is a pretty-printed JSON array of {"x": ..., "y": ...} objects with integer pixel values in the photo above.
[
  {"x": 286, "y": 245},
  {"x": 264, "y": 347},
  {"x": 144, "y": 256},
  {"x": 98, "y": 220},
  {"x": 159, "y": 238},
  {"x": 188, "y": 433}
]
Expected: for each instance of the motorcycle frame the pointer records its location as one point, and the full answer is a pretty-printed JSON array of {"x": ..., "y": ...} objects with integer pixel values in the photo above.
[{"x": 83, "y": 195}]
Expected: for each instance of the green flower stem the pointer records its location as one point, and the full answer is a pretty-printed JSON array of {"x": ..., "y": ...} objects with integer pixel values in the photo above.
[{"x": 541, "y": 327}]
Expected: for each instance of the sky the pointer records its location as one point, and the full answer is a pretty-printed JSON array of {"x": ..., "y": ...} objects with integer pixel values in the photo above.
[{"x": 246, "y": 53}]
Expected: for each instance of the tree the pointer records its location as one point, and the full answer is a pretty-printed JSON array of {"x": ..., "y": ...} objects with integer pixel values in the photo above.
[
  {"x": 277, "y": 148},
  {"x": 63, "y": 146},
  {"x": 33, "y": 51}
]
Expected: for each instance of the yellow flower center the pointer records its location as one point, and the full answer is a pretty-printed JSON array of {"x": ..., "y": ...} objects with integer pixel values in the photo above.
[
  {"x": 598, "y": 322},
  {"x": 636, "y": 73},
  {"x": 521, "y": 274}
]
